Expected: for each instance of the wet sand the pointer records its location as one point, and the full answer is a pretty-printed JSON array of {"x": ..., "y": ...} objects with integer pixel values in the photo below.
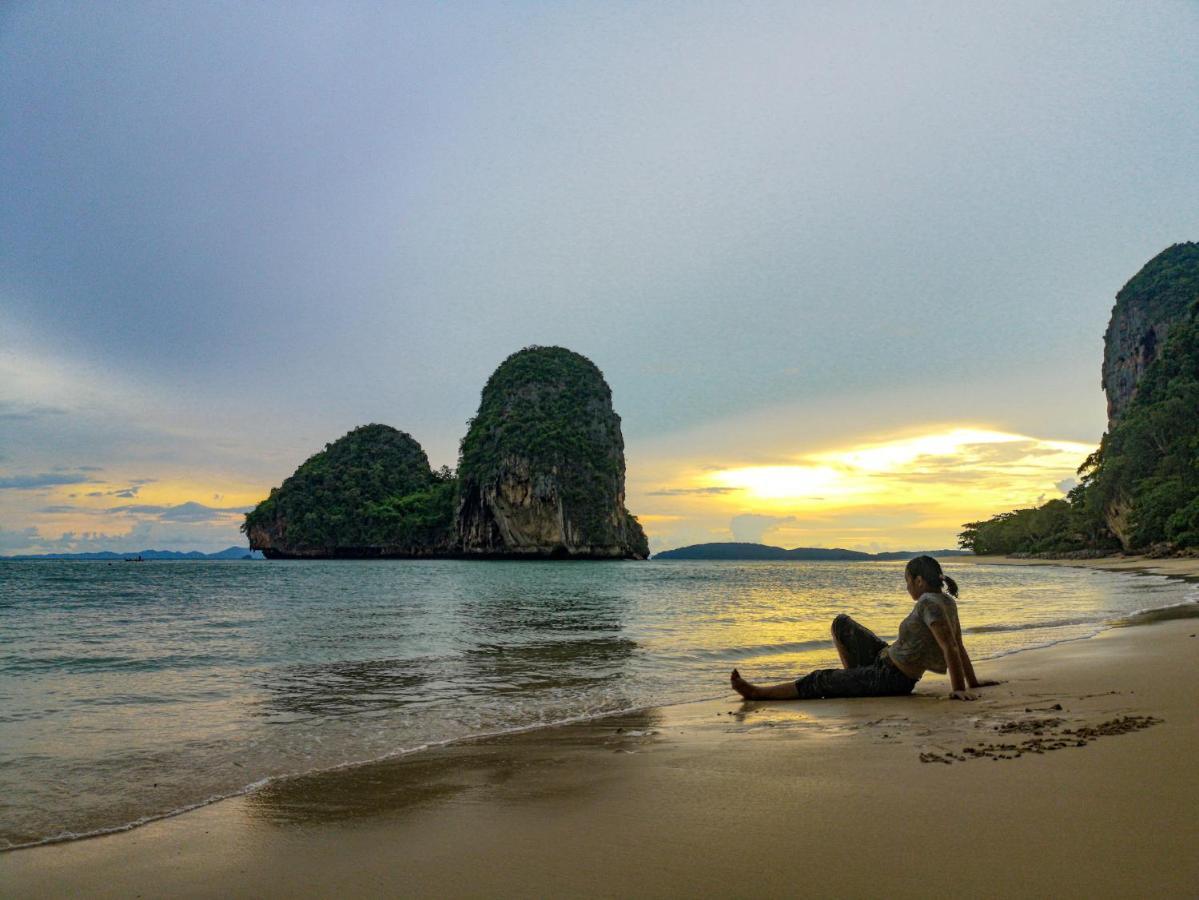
[
  {"x": 1074, "y": 777},
  {"x": 1177, "y": 567}
]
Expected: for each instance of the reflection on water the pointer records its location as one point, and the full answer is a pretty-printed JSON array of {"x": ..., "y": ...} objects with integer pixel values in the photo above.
[
  {"x": 519, "y": 767},
  {"x": 318, "y": 690},
  {"x": 372, "y": 687}
]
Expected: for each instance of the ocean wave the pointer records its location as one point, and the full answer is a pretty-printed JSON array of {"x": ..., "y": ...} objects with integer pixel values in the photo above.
[
  {"x": 1188, "y": 609},
  {"x": 81, "y": 665},
  {"x": 1002, "y": 627},
  {"x": 1012, "y": 651},
  {"x": 745, "y": 651}
]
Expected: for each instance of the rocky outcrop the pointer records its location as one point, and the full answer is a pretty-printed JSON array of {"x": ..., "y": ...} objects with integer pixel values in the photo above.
[
  {"x": 1157, "y": 296},
  {"x": 1155, "y": 299},
  {"x": 368, "y": 494},
  {"x": 542, "y": 469},
  {"x": 1140, "y": 488},
  {"x": 541, "y": 475}
]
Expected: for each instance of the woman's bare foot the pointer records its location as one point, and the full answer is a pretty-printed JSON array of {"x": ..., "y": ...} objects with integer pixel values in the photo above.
[{"x": 741, "y": 686}]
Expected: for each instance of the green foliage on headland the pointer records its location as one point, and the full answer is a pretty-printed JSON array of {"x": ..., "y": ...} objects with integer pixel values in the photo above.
[
  {"x": 1149, "y": 460},
  {"x": 1167, "y": 285},
  {"x": 1059, "y": 526},
  {"x": 1145, "y": 474},
  {"x": 371, "y": 488},
  {"x": 550, "y": 409}
]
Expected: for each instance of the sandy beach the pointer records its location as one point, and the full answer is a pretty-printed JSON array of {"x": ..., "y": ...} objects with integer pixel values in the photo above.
[
  {"x": 1074, "y": 777},
  {"x": 1175, "y": 567}
]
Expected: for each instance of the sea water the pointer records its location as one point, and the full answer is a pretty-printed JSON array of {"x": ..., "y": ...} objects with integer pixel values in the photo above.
[{"x": 132, "y": 691}]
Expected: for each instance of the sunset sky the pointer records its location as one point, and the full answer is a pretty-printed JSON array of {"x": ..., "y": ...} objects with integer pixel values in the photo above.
[{"x": 846, "y": 267}]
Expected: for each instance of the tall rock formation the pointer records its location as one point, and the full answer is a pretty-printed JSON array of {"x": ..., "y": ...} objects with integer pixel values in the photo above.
[
  {"x": 542, "y": 470},
  {"x": 368, "y": 494},
  {"x": 1147, "y": 307},
  {"x": 1153, "y": 299}
]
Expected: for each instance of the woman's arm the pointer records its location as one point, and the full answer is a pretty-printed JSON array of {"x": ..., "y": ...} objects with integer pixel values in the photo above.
[
  {"x": 968, "y": 667},
  {"x": 953, "y": 660}
]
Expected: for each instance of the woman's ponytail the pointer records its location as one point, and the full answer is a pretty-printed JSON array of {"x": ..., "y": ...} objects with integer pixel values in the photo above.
[{"x": 930, "y": 570}]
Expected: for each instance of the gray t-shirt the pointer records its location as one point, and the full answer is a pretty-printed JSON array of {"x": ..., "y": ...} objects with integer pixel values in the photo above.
[{"x": 916, "y": 644}]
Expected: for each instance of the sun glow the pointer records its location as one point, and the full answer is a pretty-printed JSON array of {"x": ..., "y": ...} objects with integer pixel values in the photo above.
[
  {"x": 786, "y": 482},
  {"x": 891, "y": 456},
  {"x": 874, "y": 491},
  {"x": 946, "y": 462}
]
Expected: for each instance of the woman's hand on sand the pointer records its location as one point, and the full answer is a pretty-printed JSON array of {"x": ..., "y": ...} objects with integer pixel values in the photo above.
[{"x": 963, "y": 695}]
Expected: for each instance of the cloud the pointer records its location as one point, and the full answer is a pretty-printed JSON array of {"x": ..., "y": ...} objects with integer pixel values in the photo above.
[
  {"x": 190, "y": 511},
  {"x": 44, "y": 480},
  {"x": 684, "y": 534},
  {"x": 17, "y": 412},
  {"x": 143, "y": 535},
  {"x": 128, "y": 492},
  {"x": 752, "y": 527},
  {"x": 678, "y": 492},
  {"x": 19, "y": 539},
  {"x": 61, "y": 509},
  {"x": 1066, "y": 485}
]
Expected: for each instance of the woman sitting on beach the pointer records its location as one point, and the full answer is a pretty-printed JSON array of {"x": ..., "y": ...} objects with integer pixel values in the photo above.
[{"x": 929, "y": 638}]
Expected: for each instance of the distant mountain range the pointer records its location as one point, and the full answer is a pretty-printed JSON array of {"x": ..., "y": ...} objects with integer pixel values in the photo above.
[
  {"x": 762, "y": 551},
  {"x": 227, "y": 553}
]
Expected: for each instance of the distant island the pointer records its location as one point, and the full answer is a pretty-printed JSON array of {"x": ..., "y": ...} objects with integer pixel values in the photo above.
[
  {"x": 735, "y": 550},
  {"x": 111, "y": 555}
]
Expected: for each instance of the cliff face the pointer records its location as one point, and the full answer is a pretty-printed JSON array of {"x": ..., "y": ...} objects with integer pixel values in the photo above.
[
  {"x": 541, "y": 475},
  {"x": 1147, "y": 307},
  {"x": 1156, "y": 297},
  {"x": 542, "y": 466},
  {"x": 369, "y": 494}
]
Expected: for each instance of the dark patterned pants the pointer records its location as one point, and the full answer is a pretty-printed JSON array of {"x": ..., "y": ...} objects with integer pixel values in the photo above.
[{"x": 870, "y": 672}]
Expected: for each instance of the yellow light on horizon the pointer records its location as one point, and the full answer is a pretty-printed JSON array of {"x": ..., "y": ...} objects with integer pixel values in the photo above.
[
  {"x": 937, "y": 468},
  {"x": 780, "y": 482}
]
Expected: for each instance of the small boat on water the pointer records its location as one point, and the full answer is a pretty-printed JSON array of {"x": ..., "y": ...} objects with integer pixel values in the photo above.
[{"x": 137, "y": 558}]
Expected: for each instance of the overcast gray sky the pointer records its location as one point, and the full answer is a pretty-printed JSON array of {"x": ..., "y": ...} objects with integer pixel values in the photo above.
[{"x": 231, "y": 232}]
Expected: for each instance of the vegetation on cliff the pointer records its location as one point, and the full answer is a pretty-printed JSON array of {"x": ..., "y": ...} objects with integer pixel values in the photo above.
[
  {"x": 542, "y": 468},
  {"x": 1059, "y": 526},
  {"x": 1149, "y": 461},
  {"x": 545, "y": 417},
  {"x": 1141, "y": 487},
  {"x": 1146, "y": 308},
  {"x": 371, "y": 489}
]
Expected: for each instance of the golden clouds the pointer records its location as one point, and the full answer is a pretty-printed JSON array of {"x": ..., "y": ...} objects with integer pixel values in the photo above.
[
  {"x": 926, "y": 468},
  {"x": 896, "y": 490}
]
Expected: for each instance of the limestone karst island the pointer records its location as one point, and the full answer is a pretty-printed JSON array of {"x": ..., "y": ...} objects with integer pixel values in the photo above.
[
  {"x": 1139, "y": 491},
  {"x": 541, "y": 475}
]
